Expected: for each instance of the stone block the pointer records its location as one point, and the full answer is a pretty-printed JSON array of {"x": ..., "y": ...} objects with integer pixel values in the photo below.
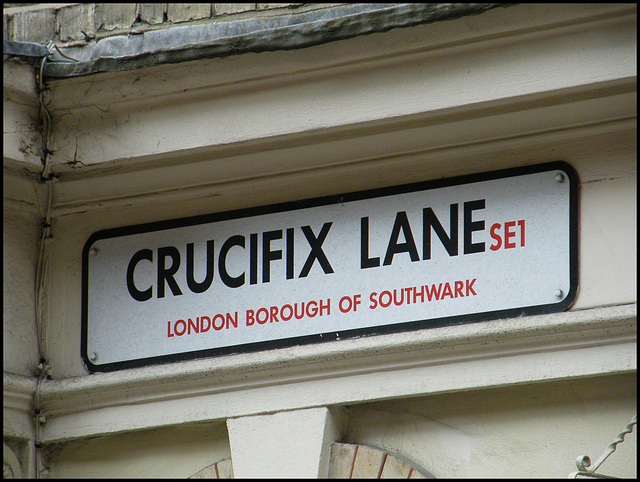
[
  {"x": 152, "y": 13},
  {"x": 395, "y": 468},
  {"x": 184, "y": 12},
  {"x": 225, "y": 469},
  {"x": 76, "y": 22},
  {"x": 38, "y": 26},
  {"x": 219, "y": 470},
  {"x": 342, "y": 456},
  {"x": 230, "y": 8},
  {"x": 114, "y": 16},
  {"x": 368, "y": 463}
]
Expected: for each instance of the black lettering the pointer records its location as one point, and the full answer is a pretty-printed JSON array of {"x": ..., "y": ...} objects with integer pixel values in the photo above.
[
  {"x": 230, "y": 281},
  {"x": 253, "y": 258},
  {"x": 193, "y": 285},
  {"x": 316, "y": 250},
  {"x": 267, "y": 254},
  {"x": 166, "y": 274},
  {"x": 409, "y": 246},
  {"x": 290, "y": 253},
  {"x": 430, "y": 220},
  {"x": 135, "y": 293},
  {"x": 471, "y": 226},
  {"x": 365, "y": 261}
]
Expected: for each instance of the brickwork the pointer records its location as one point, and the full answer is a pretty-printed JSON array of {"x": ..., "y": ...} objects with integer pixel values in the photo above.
[
  {"x": 219, "y": 470},
  {"x": 78, "y": 24},
  {"x": 349, "y": 461}
]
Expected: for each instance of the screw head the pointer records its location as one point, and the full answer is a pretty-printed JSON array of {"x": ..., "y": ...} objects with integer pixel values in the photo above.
[
  {"x": 560, "y": 177},
  {"x": 93, "y": 356},
  {"x": 559, "y": 293}
]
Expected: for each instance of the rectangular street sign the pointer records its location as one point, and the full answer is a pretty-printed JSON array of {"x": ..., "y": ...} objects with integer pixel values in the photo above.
[{"x": 423, "y": 255}]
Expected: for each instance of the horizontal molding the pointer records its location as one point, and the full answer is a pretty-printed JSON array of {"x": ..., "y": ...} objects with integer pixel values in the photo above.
[
  {"x": 502, "y": 352},
  {"x": 192, "y": 175},
  {"x": 216, "y": 106}
]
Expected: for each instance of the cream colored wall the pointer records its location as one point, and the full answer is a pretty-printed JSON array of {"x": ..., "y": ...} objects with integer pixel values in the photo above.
[
  {"x": 173, "y": 452},
  {"x": 415, "y": 104},
  {"x": 530, "y": 431},
  {"x": 19, "y": 245}
]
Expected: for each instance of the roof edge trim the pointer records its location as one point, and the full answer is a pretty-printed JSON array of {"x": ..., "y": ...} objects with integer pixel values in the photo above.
[{"x": 286, "y": 32}]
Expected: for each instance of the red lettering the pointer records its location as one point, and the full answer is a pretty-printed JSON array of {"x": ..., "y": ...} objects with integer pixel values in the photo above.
[
  {"x": 470, "y": 287},
  {"x": 459, "y": 285},
  {"x": 494, "y": 235},
  {"x": 447, "y": 290},
  {"x": 202, "y": 318},
  {"x": 328, "y": 305},
  {"x": 521, "y": 224},
  {"x": 215, "y": 325},
  {"x": 430, "y": 294},
  {"x": 374, "y": 302},
  {"x": 408, "y": 292},
  {"x": 184, "y": 327},
  {"x": 314, "y": 310},
  {"x": 195, "y": 326},
  {"x": 286, "y": 318},
  {"x": 384, "y": 305},
  {"x": 250, "y": 318},
  {"x": 274, "y": 314},
  {"x": 232, "y": 320},
  {"x": 266, "y": 316},
  {"x": 169, "y": 334},
  {"x": 508, "y": 234},
  {"x": 341, "y": 304},
  {"x": 415, "y": 294},
  {"x": 395, "y": 301}
]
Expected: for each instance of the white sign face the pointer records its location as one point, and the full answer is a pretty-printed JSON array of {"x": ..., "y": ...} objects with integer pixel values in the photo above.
[{"x": 424, "y": 255}]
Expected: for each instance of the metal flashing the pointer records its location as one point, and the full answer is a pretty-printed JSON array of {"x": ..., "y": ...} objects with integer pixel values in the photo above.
[
  {"x": 23, "y": 49},
  {"x": 192, "y": 42}
]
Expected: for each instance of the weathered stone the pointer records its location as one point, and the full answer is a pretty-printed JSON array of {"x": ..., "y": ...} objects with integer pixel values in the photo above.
[
  {"x": 229, "y": 8},
  {"x": 76, "y": 22},
  {"x": 38, "y": 26},
  {"x": 225, "y": 469},
  {"x": 152, "y": 13},
  {"x": 395, "y": 468},
  {"x": 183, "y": 12},
  {"x": 114, "y": 16},
  {"x": 368, "y": 463},
  {"x": 341, "y": 461}
]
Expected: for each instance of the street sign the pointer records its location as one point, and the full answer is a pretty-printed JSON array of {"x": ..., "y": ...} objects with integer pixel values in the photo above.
[{"x": 422, "y": 255}]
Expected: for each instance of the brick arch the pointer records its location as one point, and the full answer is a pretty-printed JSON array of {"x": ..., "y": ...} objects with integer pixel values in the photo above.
[
  {"x": 220, "y": 470},
  {"x": 353, "y": 461},
  {"x": 348, "y": 461}
]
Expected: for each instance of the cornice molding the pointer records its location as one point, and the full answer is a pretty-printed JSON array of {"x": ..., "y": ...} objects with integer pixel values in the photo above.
[{"x": 502, "y": 352}]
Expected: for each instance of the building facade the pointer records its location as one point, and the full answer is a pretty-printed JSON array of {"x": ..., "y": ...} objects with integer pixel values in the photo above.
[{"x": 122, "y": 118}]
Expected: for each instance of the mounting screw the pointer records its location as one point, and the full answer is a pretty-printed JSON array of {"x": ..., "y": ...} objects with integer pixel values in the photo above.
[
  {"x": 93, "y": 251},
  {"x": 42, "y": 418},
  {"x": 559, "y": 293},
  {"x": 560, "y": 177},
  {"x": 93, "y": 357}
]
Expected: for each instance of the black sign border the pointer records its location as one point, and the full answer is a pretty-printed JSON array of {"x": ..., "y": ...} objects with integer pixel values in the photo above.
[{"x": 562, "y": 305}]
